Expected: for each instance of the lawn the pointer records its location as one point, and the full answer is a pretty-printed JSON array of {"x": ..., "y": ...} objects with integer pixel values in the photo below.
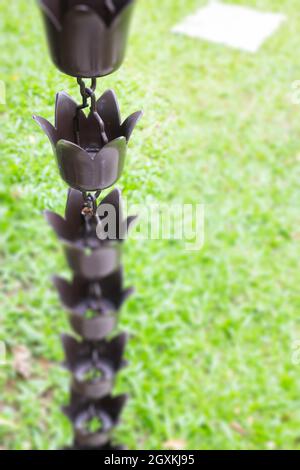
[{"x": 212, "y": 331}]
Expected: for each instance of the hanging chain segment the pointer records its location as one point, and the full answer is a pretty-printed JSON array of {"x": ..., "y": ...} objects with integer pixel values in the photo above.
[{"x": 88, "y": 93}]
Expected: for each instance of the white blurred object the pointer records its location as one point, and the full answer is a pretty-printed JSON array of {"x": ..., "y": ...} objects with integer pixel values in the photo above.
[{"x": 235, "y": 26}]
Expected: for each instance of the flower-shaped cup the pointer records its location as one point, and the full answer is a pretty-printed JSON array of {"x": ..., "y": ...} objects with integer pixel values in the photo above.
[
  {"x": 70, "y": 228},
  {"x": 87, "y": 38},
  {"x": 106, "y": 411},
  {"x": 94, "y": 365},
  {"x": 79, "y": 300},
  {"x": 84, "y": 161}
]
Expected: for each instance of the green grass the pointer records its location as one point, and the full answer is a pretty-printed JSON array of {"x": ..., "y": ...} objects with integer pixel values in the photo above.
[{"x": 212, "y": 330}]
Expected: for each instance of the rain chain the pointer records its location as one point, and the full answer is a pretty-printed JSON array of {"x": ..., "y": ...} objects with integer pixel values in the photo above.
[{"x": 87, "y": 39}]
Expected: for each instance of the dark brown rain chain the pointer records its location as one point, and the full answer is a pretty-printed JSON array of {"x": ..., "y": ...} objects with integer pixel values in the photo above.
[{"x": 87, "y": 39}]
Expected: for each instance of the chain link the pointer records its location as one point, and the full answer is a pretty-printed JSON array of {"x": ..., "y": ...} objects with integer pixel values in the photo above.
[
  {"x": 89, "y": 93},
  {"x": 90, "y": 203}
]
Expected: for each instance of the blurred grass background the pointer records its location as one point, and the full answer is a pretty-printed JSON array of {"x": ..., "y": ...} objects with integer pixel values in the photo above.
[{"x": 212, "y": 331}]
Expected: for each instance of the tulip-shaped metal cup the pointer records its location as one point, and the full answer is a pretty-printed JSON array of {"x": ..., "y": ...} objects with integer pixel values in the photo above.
[
  {"x": 104, "y": 414},
  {"x": 87, "y": 38},
  {"x": 90, "y": 164},
  {"x": 94, "y": 365}
]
